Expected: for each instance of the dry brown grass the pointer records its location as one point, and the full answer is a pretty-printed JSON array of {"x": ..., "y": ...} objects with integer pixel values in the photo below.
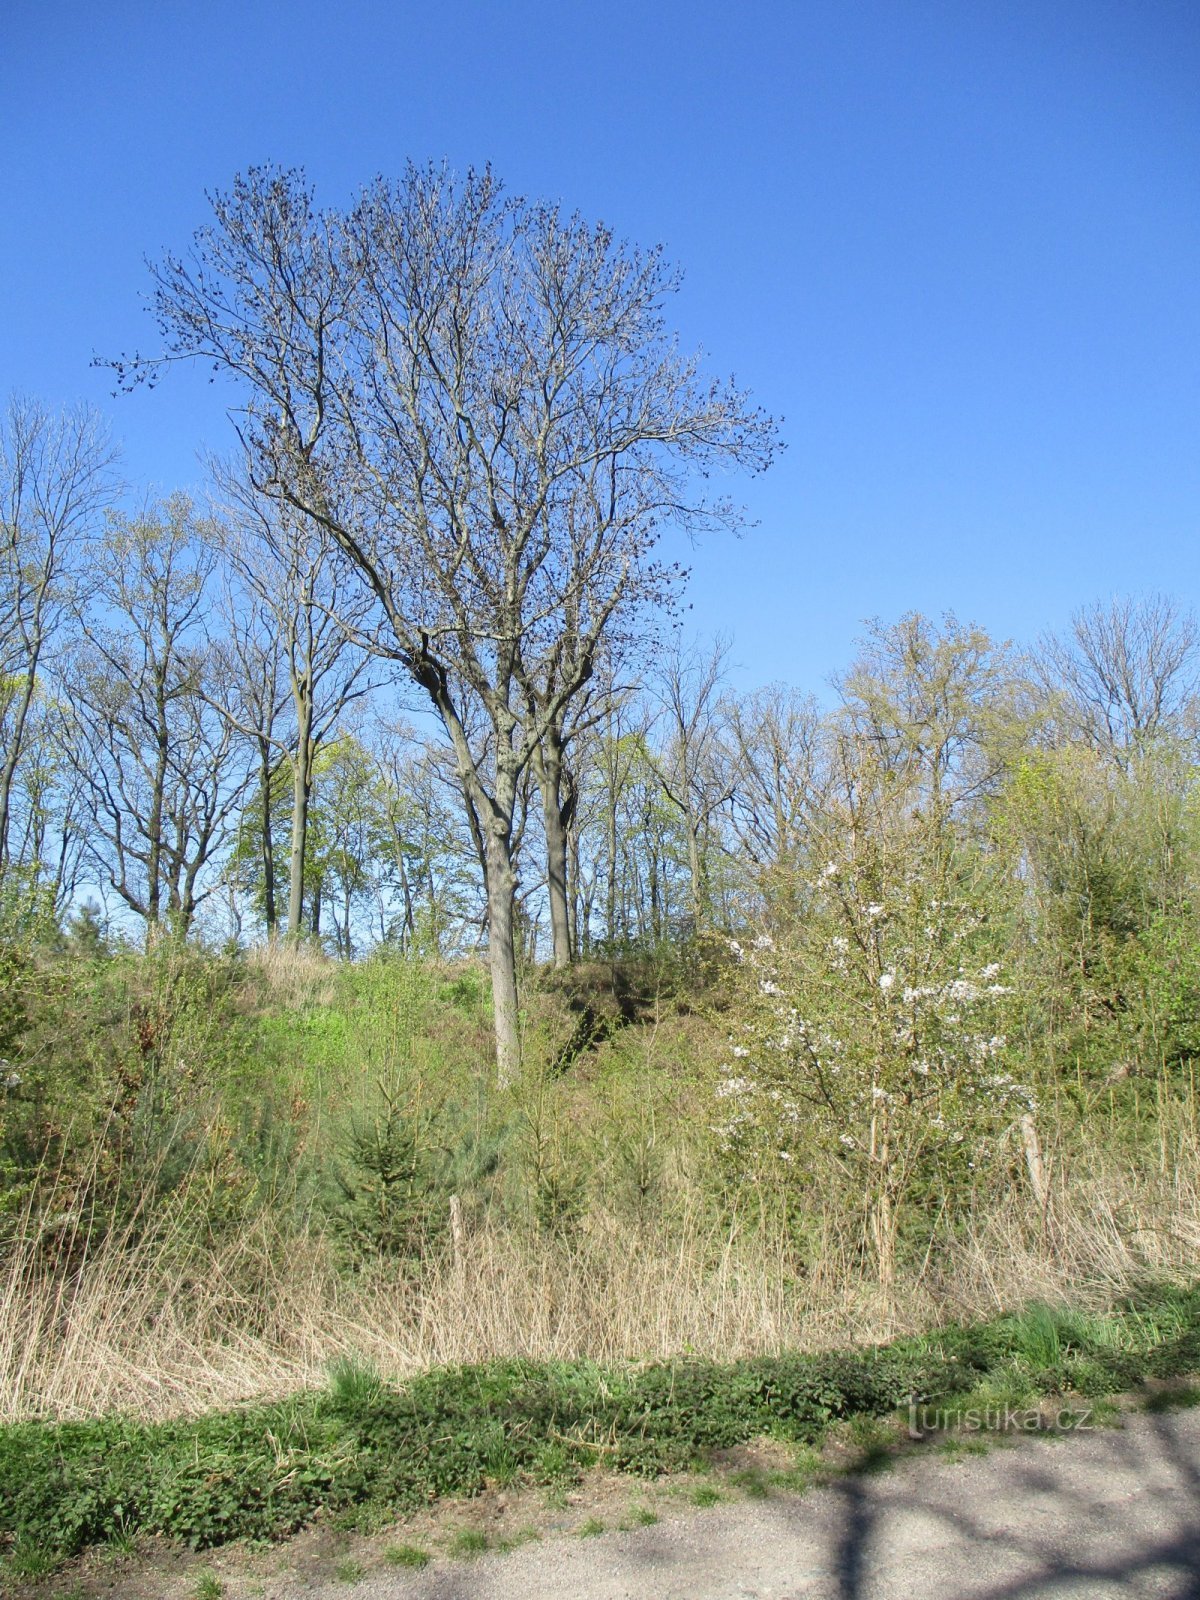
[
  {"x": 298, "y": 977},
  {"x": 166, "y": 1328}
]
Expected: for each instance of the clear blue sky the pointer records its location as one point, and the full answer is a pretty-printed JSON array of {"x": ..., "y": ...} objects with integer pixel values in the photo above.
[{"x": 954, "y": 243}]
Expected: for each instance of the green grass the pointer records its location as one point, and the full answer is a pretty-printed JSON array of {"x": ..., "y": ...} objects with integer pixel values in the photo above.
[
  {"x": 640, "y": 1517},
  {"x": 208, "y": 1587},
  {"x": 869, "y": 1434},
  {"x": 960, "y": 1449},
  {"x": 467, "y": 1542},
  {"x": 705, "y": 1494},
  {"x": 121, "y": 1542},
  {"x": 806, "y": 1469},
  {"x": 406, "y": 1555},
  {"x": 590, "y": 1528},
  {"x": 354, "y": 1384},
  {"x": 28, "y": 1559},
  {"x": 362, "y": 1450},
  {"x": 349, "y": 1571},
  {"x": 1106, "y": 1413}
]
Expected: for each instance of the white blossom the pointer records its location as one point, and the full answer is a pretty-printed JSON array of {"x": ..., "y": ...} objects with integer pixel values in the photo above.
[
  {"x": 731, "y": 1086},
  {"x": 921, "y": 992}
]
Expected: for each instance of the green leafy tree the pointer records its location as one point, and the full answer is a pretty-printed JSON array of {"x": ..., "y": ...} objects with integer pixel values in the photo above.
[{"x": 1108, "y": 855}]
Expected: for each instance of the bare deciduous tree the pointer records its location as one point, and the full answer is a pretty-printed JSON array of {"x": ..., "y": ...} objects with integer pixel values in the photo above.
[
  {"x": 299, "y": 581},
  {"x": 555, "y": 764},
  {"x": 478, "y": 398},
  {"x": 165, "y": 773},
  {"x": 55, "y": 478},
  {"x": 256, "y": 700},
  {"x": 1127, "y": 671},
  {"x": 779, "y": 758},
  {"x": 692, "y": 767}
]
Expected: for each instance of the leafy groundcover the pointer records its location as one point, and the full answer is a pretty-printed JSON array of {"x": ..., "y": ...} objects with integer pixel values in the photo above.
[{"x": 365, "y": 1450}]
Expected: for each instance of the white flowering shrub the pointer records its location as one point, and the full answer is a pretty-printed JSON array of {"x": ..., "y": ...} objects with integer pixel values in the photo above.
[{"x": 872, "y": 1030}]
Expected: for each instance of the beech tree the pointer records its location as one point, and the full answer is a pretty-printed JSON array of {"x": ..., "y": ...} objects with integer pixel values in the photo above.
[{"x": 479, "y": 399}]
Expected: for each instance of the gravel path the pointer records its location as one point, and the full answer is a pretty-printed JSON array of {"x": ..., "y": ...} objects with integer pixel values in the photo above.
[{"x": 1111, "y": 1512}]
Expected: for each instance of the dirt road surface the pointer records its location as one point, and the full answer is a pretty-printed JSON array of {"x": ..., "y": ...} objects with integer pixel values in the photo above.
[{"x": 1111, "y": 1512}]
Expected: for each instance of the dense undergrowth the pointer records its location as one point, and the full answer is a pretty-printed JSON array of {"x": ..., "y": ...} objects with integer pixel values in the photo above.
[{"x": 223, "y": 1173}]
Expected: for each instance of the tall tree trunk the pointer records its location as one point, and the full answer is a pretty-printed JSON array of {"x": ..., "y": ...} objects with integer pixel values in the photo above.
[
  {"x": 60, "y": 866},
  {"x": 187, "y": 899},
  {"x": 611, "y": 819},
  {"x": 696, "y": 871},
  {"x": 884, "y": 1224},
  {"x": 491, "y": 823},
  {"x": 557, "y": 812},
  {"x": 576, "y": 910},
  {"x": 266, "y": 844},
  {"x": 408, "y": 924},
  {"x": 157, "y": 803},
  {"x": 502, "y": 955},
  {"x": 656, "y": 917},
  {"x": 301, "y": 794}
]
